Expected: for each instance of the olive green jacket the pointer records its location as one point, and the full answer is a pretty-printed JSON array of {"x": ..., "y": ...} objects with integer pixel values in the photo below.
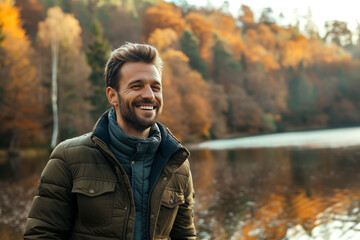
[{"x": 84, "y": 193}]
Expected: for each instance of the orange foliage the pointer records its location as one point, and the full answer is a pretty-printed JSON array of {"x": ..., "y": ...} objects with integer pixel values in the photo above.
[
  {"x": 164, "y": 39},
  {"x": 20, "y": 107},
  {"x": 225, "y": 27},
  {"x": 295, "y": 51},
  {"x": 248, "y": 15},
  {"x": 202, "y": 28},
  {"x": 187, "y": 110},
  {"x": 163, "y": 15}
]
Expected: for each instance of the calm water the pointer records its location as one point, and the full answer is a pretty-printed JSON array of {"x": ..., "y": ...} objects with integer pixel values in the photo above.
[
  {"x": 252, "y": 192},
  {"x": 277, "y": 193}
]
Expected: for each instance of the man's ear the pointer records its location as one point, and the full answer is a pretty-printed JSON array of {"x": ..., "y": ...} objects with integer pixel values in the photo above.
[{"x": 112, "y": 96}]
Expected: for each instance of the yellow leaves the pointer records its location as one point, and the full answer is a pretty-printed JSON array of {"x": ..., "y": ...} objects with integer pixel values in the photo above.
[
  {"x": 163, "y": 39},
  {"x": 15, "y": 36},
  {"x": 202, "y": 28},
  {"x": 19, "y": 82},
  {"x": 176, "y": 56},
  {"x": 296, "y": 51},
  {"x": 187, "y": 110},
  {"x": 248, "y": 15},
  {"x": 61, "y": 27},
  {"x": 163, "y": 15},
  {"x": 9, "y": 15}
]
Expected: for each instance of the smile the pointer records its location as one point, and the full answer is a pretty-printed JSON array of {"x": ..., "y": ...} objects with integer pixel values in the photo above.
[{"x": 147, "y": 107}]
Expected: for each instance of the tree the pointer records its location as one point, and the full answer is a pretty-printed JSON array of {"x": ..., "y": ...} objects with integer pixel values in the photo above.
[
  {"x": 190, "y": 46},
  {"x": 97, "y": 54},
  {"x": 266, "y": 16},
  {"x": 19, "y": 85},
  {"x": 186, "y": 93},
  {"x": 302, "y": 98},
  {"x": 31, "y": 13},
  {"x": 126, "y": 29},
  {"x": 310, "y": 28},
  {"x": 246, "y": 17},
  {"x": 226, "y": 68},
  {"x": 202, "y": 28},
  {"x": 338, "y": 32},
  {"x": 163, "y": 15},
  {"x": 61, "y": 32}
]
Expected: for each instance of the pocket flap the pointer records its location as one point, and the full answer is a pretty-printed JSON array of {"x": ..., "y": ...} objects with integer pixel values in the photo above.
[
  {"x": 172, "y": 198},
  {"x": 93, "y": 188}
]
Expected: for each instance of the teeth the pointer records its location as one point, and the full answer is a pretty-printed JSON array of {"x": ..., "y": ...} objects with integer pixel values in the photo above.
[{"x": 146, "y": 107}]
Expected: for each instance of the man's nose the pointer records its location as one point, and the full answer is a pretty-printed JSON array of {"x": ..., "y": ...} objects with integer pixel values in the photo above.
[{"x": 148, "y": 93}]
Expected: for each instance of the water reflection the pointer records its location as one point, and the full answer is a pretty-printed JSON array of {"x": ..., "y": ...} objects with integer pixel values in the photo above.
[
  {"x": 277, "y": 193},
  {"x": 273, "y": 193}
]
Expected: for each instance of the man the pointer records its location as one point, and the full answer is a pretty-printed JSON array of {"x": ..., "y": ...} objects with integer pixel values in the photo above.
[{"x": 127, "y": 179}]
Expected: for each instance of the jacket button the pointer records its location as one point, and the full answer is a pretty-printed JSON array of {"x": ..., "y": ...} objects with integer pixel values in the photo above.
[
  {"x": 91, "y": 190},
  {"x": 184, "y": 154},
  {"x": 139, "y": 144},
  {"x": 171, "y": 200},
  {"x": 165, "y": 179},
  {"x": 132, "y": 162},
  {"x": 152, "y": 216}
]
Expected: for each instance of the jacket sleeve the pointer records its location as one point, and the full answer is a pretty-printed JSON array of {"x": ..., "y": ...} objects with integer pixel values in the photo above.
[
  {"x": 184, "y": 227},
  {"x": 51, "y": 213}
]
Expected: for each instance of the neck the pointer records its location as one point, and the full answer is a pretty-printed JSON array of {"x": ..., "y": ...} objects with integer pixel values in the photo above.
[{"x": 133, "y": 132}]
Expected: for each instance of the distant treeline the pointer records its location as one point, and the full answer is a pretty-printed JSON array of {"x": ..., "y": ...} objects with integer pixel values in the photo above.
[{"x": 225, "y": 75}]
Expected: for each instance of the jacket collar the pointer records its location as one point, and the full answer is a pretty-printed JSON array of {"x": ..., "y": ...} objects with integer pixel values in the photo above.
[{"x": 168, "y": 146}]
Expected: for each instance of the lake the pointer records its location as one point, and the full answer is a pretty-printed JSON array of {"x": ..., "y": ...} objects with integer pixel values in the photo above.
[{"x": 303, "y": 186}]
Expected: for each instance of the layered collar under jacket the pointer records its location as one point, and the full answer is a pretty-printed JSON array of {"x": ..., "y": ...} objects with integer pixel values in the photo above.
[
  {"x": 125, "y": 146},
  {"x": 169, "y": 145}
]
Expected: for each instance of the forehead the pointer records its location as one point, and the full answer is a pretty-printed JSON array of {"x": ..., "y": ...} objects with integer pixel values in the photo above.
[{"x": 139, "y": 71}]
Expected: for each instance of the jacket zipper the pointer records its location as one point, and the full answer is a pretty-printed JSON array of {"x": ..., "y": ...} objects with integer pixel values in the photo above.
[
  {"x": 150, "y": 193},
  {"x": 118, "y": 175},
  {"x": 127, "y": 208}
]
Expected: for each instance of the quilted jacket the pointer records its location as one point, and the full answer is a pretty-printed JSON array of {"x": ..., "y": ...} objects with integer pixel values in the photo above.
[{"x": 84, "y": 193}]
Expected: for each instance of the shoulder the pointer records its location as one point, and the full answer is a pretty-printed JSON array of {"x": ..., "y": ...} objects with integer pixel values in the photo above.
[
  {"x": 72, "y": 146},
  {"x": 184, "y": 169}
]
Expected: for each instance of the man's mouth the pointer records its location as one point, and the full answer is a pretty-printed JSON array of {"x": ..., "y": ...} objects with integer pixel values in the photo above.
[{"x": 146, "y": 107}]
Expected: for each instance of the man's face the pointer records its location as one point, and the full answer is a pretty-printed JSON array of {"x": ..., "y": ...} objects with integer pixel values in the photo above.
[{"x": 140, "y": 96}]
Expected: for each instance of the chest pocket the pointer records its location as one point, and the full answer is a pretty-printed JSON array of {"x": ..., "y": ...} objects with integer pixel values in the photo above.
[
  {"x": 172, "y": 198},
  {"x": 95, "y": 199},
  {"x": 170, "y": 202}
]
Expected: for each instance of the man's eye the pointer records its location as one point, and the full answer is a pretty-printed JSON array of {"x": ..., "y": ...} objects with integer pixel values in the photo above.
[
  {"x": 136, "y": 86},
  {"x": 158, "y": 88}
]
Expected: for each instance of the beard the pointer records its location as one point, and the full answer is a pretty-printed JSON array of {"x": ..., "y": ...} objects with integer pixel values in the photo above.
[{"x": 131, "y": 118}]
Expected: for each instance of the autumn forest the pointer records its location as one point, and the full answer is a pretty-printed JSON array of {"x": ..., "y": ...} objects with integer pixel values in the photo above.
[{"x": 225, "y": 76}]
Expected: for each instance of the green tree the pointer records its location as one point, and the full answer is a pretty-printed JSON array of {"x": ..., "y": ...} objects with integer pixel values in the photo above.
[
  {"x": 190, "y": 46},
  {"x": 302, "y": 99},
  {"x": 97, "y": 54},
  {"x": 226, "y": 68}
]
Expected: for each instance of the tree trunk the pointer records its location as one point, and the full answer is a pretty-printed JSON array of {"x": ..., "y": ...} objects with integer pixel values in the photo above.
[{"x": 55, "y": 58}]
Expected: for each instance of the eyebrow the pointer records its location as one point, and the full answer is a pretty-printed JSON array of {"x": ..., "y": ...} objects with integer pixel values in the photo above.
[{"x": 141, "y": 81}]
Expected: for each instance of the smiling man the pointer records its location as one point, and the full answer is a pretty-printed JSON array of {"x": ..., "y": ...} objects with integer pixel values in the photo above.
[{"x": 127, "y": 179}]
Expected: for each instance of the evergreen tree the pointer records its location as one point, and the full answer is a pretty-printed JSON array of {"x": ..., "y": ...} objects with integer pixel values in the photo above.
[
  {"x": 302, "y": 99},
  {"x": 302, "y": 94},
  {"x": 226, "y": 68},
  {"x": 97, "y": 54},
  {"x": 190, "y": 46}
]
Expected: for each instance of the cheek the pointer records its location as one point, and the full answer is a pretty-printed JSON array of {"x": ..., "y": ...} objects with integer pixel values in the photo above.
[{"x": 159, "y": 98}]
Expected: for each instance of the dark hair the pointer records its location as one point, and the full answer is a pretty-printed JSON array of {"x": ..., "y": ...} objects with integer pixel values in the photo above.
[{"x": 129, "y": 52}]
